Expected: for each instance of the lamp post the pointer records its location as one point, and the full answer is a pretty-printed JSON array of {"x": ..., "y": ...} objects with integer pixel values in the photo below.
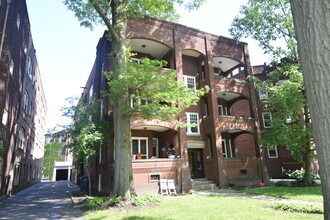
[{"x": 4, "y": 27}]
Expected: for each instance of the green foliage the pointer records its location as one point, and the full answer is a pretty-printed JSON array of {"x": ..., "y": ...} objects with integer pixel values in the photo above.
[
  {"x": 299, "y": 207},
  {"x": 87, "y": 130},
  {"x": 114, "y": 200},
  {"x": 284, "y": 183},
  {"x": 146, "y": 199},
  {"x": 311, "y": 194},
  {"x": 95, "y": 203},
  {"x": 88, "y": 12},
  {"x": 299, "y": 175},
  {"x": 155, "y": 91},
  {"x": 51, "y": 155},
  {"x": 287, "y": 100},
  {"x": 270, "y": 23}
]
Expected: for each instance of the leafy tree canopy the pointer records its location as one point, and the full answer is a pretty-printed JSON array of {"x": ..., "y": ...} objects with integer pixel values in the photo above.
[{"x": 270, "y": 23}]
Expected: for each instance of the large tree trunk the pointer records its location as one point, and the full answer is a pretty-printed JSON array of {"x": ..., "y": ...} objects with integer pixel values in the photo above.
[
  {"x": 123, "y": 180},
  {"x": 312, "y": 22}
]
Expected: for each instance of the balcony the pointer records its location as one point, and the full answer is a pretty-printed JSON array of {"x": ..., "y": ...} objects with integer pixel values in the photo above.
[{"x": 232, "y": 124}]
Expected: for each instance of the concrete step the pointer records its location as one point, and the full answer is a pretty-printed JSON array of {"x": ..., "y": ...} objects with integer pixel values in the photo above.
[
  {"x": 196, "y": 183},
  {"x": 205, "y": 187},
  {"x": 203, "y": 184}
]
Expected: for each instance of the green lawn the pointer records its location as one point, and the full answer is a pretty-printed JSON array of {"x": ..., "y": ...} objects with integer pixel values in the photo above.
[
  {"x": 204, "y": 207},
  {"x": 312, "y": 194}
]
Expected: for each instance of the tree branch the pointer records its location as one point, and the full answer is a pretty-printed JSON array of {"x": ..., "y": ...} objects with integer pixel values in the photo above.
[{"x": 105, "y": 19}]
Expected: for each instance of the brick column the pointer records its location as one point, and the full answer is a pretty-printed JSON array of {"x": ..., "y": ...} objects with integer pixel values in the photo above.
[
  {"x": 185, "y": 177},
  {"x": 255, "y": 112},
  {"x": 214, "y": 114}
]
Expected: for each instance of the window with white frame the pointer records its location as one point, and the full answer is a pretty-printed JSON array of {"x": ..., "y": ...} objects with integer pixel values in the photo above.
[
  {"x": 21, "y": 138},
  {"x": 140, "y": 145},
  {"x": 193, "y": 120},
  {"x": 272, "y": 152},
  {"x": 155, "y": 150},
  {"x": 223, "y": 111},
  {"x": 189, "y": 82},
  {"x": 263, "y": 95},
  {"x": 267, "y": 119}
]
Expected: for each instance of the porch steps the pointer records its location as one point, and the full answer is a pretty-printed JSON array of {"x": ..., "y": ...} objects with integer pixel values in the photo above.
[{"x": 203, "y": 184}]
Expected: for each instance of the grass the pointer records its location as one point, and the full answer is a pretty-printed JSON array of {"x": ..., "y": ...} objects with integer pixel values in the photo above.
[
  {"x": 311, "y": 194},
  {"x": 204, "y": 207}
]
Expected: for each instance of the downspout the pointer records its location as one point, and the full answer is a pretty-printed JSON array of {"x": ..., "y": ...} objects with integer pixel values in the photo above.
[{"x": 4, "y": 27}]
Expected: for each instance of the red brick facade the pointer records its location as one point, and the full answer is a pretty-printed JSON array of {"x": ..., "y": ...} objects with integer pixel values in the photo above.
[
  {"x": 22, "y": 102},
  {"x": 226, "y": 148}
]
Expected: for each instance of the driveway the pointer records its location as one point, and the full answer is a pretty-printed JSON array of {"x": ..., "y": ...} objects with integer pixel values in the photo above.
[{"x": 45, "y": 200}]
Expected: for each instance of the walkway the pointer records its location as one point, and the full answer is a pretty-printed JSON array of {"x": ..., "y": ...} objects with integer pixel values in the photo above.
[{"x": 45, "y": 200}]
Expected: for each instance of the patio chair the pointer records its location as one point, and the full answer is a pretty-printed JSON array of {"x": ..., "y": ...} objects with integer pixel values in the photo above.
[
  {"x": 163, "y": 187},
  {"x": 171, "y": 187}
]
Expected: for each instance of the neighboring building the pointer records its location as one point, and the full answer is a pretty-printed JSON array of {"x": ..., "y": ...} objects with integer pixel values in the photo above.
[
  {"x": 63, "y": 167},
  {"x": 22, "y": 102},
  {"x": 223, "y": 148},
  {"x": 278, "y": 158}
]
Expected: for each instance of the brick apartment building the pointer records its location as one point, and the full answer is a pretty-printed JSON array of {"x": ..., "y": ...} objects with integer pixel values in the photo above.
[
  {"x": 223, "y": 148},
  {"x": 278, "y": 158},
  {"x": 22, "y": 101}
]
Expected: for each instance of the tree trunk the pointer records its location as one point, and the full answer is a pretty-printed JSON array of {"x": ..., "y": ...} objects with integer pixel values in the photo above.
[
  {"x": 88, "y": 168},
  {"x": 307, "y": 162},
  {"x": 123, "y": 180},
  {"x": 312, "y": 22}
]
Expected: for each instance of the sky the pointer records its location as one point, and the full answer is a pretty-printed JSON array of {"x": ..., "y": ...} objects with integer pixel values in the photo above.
[{"x": 66, "y": 51}]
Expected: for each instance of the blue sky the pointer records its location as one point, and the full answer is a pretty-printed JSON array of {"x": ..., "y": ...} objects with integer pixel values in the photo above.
[{"x": 66, "y": 51}]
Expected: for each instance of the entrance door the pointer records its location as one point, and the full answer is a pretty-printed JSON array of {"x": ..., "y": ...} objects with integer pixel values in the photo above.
[{"x": 195, "y": 157}]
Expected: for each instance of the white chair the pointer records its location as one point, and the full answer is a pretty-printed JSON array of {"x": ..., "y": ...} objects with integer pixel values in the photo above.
[
  {"x": 171, "y": 187},
  {"x": 163, "y": 187}
]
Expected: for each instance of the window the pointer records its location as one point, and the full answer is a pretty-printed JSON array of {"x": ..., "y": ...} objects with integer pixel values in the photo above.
[
  {"x": 18, "y": 21},
  {"x": 90, "y": 95},
  {"x": 267, "y": 119},
  {"x": 99, "y": 185},
  {"x": 190, "y": 82},
  {"x": 4, "y": 117},
  {"x": 100, "y": 153},
  {"x": 17, "y": 173},
  {"x": 223, "y": 111},
  {"x": 272, "y": 152},
  {"x": 30, "y": 68},
  {"x": 206, "y": 108},
  {"x": 192, "y": 119},
  {"x": 102, "y": 72},
  {"x": 224, "y": 148},
  {"x": 11, "y": 67},
  {"x": 155, "y": 150},
  {"x": 25, "y": 101},
  {"x": 101, "y": 110},
  {"x": 209, "y": 145},
  {"x": 288, "y": 119},
  {"x": 140, "y": 145},
  {"x": 263, "y": 95},
  {"x": 21, "y": 138}
]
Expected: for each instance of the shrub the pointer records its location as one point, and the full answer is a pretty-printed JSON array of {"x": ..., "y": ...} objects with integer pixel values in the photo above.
[
  {"x": 114, "y": 201},
  {"x": 146, "y": 199},
  {"x": 299, "y": 207},
  {"x": 284, "y": 183},
  {"x": 298, "y": 175},
  {"x": 95, "y": 202}
]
